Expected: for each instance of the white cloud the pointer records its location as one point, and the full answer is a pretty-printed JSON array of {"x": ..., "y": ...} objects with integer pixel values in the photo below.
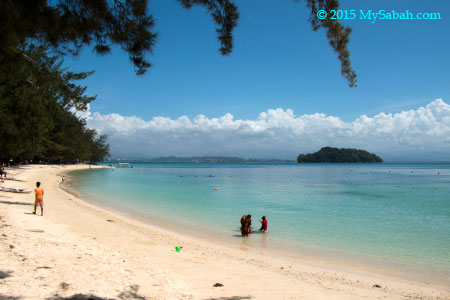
[{"x": 279, "y": 133}]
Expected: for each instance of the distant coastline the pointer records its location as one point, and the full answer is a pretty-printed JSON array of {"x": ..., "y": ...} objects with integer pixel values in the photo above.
[{"x": 206, "y": 159}]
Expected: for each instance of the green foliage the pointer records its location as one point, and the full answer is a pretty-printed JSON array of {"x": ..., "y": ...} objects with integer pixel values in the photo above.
[
  {"x": 339, "y": 155},
  {"x": 36, "y": 96},
  {"x": 225, "y": 15},
  {"x": 68, "y": 25},
  {"x": 338, "y": 35}
]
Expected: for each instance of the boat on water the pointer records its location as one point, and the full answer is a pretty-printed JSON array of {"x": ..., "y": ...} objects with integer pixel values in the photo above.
[
  {"x": 123, "y": 165},
  {"x": 13, "y": 190}
]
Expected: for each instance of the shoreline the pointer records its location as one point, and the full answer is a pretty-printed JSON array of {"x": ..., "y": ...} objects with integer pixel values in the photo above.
[
  {"x": 332, "y": 260},
  {"x": 102, "y": 253}
]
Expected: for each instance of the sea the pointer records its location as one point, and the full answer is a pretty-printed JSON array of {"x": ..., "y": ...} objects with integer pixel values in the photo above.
[{"x": 391, "y": 219}]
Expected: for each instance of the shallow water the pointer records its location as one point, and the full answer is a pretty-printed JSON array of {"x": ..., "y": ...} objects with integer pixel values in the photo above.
[{"x": 380, "y": 216}]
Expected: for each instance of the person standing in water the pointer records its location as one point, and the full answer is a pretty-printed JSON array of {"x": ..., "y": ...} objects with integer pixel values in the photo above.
[
  {"x": 263, "y": 223},
  {"x": 39, "y": 198},
  {"x": 246, "y": 222}
]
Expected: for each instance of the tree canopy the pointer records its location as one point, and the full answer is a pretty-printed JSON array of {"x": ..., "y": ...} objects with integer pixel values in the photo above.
[
  {"x": 339, "y": 155},
  {"x": 36, "y": 118},
  {"x": 68, "y": 25}
]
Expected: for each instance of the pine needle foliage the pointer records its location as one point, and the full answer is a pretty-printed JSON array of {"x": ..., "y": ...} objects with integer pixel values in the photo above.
[
  {"x": 37, "y": 100},
  {"x": 67, "y": 25}
]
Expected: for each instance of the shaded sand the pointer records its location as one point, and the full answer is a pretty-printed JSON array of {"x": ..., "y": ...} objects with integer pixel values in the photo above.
[{"x": 79, "y": 251}]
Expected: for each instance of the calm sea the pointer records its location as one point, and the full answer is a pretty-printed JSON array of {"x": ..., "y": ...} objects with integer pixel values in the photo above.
[{"x": 392, "y": 218}]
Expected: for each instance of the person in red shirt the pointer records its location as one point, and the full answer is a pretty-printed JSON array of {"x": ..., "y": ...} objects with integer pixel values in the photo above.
[
  {"x": 39, "y": 198},
  {"x": 263, "y": 223}
]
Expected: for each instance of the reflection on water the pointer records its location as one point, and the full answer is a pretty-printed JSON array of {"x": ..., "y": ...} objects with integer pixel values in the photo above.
[
  {"x": 244, "y": 243},
  {"x": 264, "y": 240}
]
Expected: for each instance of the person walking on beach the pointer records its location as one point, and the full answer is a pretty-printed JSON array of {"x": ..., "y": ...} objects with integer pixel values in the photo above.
[
  {"x": 246, "y": 222},
  {"x": 62, "y": 179},
  {"x": 2, "y": 172},
  {"x": 263, "y": 224},
  {"x": 39, "y": 198}
]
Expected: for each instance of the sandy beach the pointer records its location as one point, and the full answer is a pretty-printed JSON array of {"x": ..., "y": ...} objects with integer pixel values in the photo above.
[{"x": 80, "y": 251}]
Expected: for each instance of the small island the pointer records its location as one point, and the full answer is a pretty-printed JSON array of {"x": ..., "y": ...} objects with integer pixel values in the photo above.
[{"x": 339, "y": 155}]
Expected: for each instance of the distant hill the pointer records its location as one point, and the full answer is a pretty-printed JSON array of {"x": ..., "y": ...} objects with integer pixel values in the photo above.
[
  {"x": 210, "y": 159},
  {"x": 339, "y": 155}
]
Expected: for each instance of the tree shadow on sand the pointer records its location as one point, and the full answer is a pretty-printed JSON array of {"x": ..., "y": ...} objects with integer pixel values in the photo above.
[
  {"x": 14, "y": 179},
  {"x": 4, "y": 297},
  {"x": 5, "y": 274},
  {"x": 232, "y": 298},
  {"x": 16, "y": 203},
  {"x": 79, "y": 297},
  {"x": 131, "y": 293}
]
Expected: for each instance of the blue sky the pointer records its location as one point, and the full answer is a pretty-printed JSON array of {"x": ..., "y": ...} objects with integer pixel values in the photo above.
[{"x": 277, "y": 62}]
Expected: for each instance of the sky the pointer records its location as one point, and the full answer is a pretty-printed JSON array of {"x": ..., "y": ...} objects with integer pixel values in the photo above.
[{"x": 280, "y": 92}]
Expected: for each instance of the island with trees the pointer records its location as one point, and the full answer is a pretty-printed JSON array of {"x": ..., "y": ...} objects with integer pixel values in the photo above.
[{"x": 339, "y": 155}]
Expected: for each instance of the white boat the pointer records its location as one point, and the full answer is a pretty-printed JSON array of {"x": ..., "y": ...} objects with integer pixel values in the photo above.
[
  {"x": 13, "y": 190},
  {"x": 123, "y": 165}
]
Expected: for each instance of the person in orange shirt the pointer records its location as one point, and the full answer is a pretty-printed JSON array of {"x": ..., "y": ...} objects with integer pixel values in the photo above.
[{"x": 39, "y": 198}]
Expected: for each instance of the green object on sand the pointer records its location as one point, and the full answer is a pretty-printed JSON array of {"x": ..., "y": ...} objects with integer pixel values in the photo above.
[{"x": 177, "y": 248}]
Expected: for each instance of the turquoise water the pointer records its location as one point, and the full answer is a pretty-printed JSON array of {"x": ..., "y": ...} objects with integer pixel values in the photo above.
[{"x": 380, "y": 216}]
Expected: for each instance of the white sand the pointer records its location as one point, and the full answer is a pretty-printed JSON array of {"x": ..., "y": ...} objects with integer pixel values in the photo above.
[{"x": 74, "y": 252}]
